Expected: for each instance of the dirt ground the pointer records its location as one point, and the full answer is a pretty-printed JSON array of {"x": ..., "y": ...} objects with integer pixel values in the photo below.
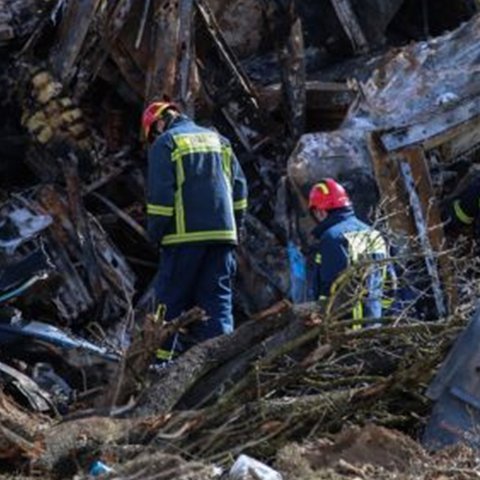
[{"x": 374, "y": 453}]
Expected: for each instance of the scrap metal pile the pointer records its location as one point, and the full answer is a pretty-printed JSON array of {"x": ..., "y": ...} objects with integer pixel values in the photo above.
[{"x": 399, "y": 126}]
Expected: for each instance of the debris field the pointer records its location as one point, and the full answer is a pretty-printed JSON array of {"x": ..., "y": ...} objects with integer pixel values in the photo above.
[{"x": 382, "y": 95}]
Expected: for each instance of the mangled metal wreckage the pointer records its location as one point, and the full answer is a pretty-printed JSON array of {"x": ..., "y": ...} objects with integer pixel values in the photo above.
[
  {"x": 51, "y": 269},
  {"x": 409, "y": 133}
]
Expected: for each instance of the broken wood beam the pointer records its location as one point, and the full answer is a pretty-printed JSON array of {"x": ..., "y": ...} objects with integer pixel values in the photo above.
[
  {"x": 350, "y": 24},
  {"x": 225, "y": 81},
  {"x": 429, "y": 225},
  {"x": 75, "y": 24},
  {"x": 186, "y": 66},
  {"x": 203, "y": 358},
  {"x": 162, "y": 69},
  {"x": 292, "y": 59}
]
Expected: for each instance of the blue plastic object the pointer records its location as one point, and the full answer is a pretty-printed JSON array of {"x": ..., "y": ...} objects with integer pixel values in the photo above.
[
  {"x": 99, "y": 468},
  {"x": 298, "y": 273}
]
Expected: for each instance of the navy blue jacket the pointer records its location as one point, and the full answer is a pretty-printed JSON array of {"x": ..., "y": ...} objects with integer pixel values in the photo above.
[
  {"x": 342, "y": 240},
  {"x": 197, "y": 192}
]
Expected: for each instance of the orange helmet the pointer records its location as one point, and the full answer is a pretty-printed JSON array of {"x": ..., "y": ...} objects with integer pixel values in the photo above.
[
  {"x": 328, "y": 195},
  {"x": 153, "y": 113}
]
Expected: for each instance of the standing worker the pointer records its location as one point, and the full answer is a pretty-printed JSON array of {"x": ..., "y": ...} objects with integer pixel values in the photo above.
[
  {"x": 196, "y": 203},
  {"x": 348, "y": 256}
]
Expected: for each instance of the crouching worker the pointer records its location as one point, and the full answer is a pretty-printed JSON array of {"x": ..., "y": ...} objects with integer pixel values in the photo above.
[
  {"x": 197, "y": 198},
  {"x": 349, "y": 257}
]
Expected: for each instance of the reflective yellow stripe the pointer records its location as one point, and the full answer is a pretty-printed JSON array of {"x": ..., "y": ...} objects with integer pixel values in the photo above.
[
  {"x": 240, "y": 204},
  {"x": 461, "y": 215},
  {"x": 387, "y": 302},
  {"x": 190, "y": 151},
  {"x": 318, "y": 258},
  {"x": 161, "y": 354},
  {"x": 357, "y": 313},
  {"x": 189, "y": 143},
  {"x": 323, "y": 187},
  {"x": 227, "y": 163},
  {"x": 179, "y": 208},
  {"x": 159, "y": 210},
  {"x": 200, "y": 236}
]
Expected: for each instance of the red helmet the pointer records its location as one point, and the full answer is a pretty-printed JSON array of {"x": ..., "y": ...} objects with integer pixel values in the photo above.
[
  {"x": 153, "y": 113},
  {"x": 328, "y": 195}
]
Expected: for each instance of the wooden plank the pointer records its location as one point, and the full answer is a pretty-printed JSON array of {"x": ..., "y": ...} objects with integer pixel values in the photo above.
[
  {"x": 394, "y": 199},
  {"x": 396, "y": 203},
  {"x": 73, "y": 30},
  {"x": 438, "y": 129},
  {"x": 224, "y": 51},
  {"x": 352, "y": 28},
  {"x": 292, "y": 57},
  {"x": 162, "y": 69},
  {"x": 94, "y": 53},
  {"x": 431, "y": 212},
  {"x": 118, "y": 18},
  {"x": 130, "y": 71},
  {"x": 184, "y": 94},
  {"x": 225, "y": 81}
]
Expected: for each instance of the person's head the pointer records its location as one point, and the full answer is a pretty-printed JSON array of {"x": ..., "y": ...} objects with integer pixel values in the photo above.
[
  {"x": 157, "y": 117},
  {"x": 325, "y": 196}
]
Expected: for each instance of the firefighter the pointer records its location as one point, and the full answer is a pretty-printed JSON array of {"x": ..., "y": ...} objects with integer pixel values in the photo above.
[
  {"x": 196, "y": 203},
  {"x": 349, "y": 266}
]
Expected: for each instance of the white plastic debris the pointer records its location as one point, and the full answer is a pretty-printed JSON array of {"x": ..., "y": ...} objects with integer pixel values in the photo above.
[
  {"x": 447, "y": 98},
  {"x": 246, "y": 468}
]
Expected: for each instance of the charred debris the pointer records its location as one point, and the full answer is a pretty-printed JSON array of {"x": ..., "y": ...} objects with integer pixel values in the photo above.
[{"x": 383, "y": 95}]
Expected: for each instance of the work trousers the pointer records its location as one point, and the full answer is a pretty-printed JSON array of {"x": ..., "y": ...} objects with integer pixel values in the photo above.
[{"x": 197, "y": 275}]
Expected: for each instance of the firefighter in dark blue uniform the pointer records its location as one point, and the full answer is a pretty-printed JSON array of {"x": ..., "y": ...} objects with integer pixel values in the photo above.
[
  {"x": 196, "y": 202},
  {"x": 349, "y": 257}
]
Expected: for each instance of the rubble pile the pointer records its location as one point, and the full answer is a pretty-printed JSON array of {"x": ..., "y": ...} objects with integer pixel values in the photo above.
[{"x": 396, "y": 124}]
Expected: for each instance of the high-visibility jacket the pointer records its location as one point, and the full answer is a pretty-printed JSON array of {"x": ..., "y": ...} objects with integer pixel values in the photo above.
[
  {"x": 197, "y": 192},
  {"x": 465, "y": 208},
  {"x": 349, "y": 259}
]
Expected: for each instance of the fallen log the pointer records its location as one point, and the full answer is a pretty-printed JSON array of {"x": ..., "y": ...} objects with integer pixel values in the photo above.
[
  {"x": 20, "y": 432},
  {"x": 176, "y": 381},
  {"x": 149, "y": 334}
]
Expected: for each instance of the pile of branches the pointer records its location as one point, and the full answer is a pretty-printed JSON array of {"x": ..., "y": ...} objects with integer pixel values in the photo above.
[{"x": 286, "y": 375}]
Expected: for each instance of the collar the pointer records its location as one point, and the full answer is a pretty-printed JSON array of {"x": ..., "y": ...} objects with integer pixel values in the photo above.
[
  {"x": 335, "y": 216},
  {"x": 178, "y": 121}
]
